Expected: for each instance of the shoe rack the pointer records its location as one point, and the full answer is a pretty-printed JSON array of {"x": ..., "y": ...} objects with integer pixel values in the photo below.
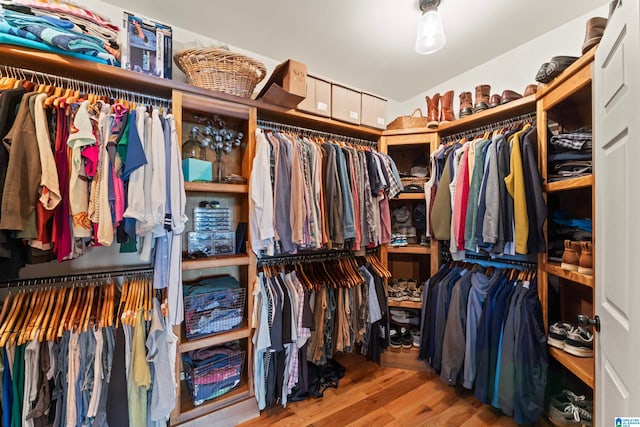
[
  {"x": 566, "y": 103},
  {"x": 413, "y": 261}
]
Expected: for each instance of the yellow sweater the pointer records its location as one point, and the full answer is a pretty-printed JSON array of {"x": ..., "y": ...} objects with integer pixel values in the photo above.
[{"x": 515, "y": 187}]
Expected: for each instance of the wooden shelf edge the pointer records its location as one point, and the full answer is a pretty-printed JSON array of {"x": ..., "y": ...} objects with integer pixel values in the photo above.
[
  {"x": 556, "y": 270},
  {"x": 405, "y": 304},
  {"x": 189, "y": 412},
  {"x": 235, "y": 334},
  {"x": 569, "y": 184},
  {"x": 107, "y": 75},
  {"x": 410, "y": 249},
  {"x": 215, "y": 262},
  {"x": 410, "y": 131},
  {"x": 581, "y": 367},
  {"x": 523, "y": 105},
  {"x": 409, "y": 196},
  {"x": 215, "y": 187},
  {"x": 566, "y": 74}
]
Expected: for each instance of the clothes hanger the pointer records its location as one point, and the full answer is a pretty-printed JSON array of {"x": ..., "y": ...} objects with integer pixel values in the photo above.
[
  {"x": 11, "y": 318},
  {"x": 43, "y": 320},
  {"x": 60, "y": 300},
  {"x": 24, "y": 311},
  {"x": 22, "y": 329},
  {"x": 30, "y": 323}
]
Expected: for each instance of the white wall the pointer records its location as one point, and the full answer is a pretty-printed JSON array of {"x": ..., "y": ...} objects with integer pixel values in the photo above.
[{"x": 513, "y": 70}]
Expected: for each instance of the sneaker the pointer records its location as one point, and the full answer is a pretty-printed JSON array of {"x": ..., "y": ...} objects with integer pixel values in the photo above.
[
  {"x": 405, "y": 337},
  {"x": 567, "y": 396},
  {"x": 558, "y": 334},
  {"x": 415, "y": 335},
  {"x": 395, "y": 294},
  {"x": 394, "y": 338},
  {"x": 570, "y": 414},
  {"x": 579, "y": 342},
  {"x": 416, "y": 295}
]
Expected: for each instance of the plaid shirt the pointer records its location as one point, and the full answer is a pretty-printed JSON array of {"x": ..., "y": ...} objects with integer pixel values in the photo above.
[
  {"x": 579, "y": 139},
  {"x": 395, "y": 185}
]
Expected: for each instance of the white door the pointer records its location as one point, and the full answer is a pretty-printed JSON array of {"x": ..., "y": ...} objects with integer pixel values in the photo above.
[{"x": 617, "y": 222}]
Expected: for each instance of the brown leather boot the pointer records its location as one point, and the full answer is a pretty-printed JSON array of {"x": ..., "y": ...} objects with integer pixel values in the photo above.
[
  {"x": 466, "y": 106},
  {"x": 585, "y": 264},
  {"x": 446, "y": 107},
  {"x": 570, "y": 256},
  {"x": 530, "y": 90},
  {"x": 495, "y": 100},
  {"x": 432, "y": 111},
  {"x": 482, "y": 98},
  {"x": 593, "y": 34}
]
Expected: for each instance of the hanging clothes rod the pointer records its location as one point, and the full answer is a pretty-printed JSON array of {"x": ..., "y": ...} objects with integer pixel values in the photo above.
[
  {"x": 76, "y": 277},
  {"x": 82, "y": 86},
  {"x": 488, "y": 128},
  {"x": 304, "y": 258},
  {"x": 281, "y": 127}
]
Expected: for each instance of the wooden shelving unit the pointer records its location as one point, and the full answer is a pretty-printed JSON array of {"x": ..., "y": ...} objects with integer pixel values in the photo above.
[
  {"x": 405, "y": 304},
  {"x": 410, "y": 249},
  {"x": 189, "y": 412},
  {"x": 213, "y": 187},
  {"x": 235, "y": 334},
  {"x": 567, "y": 100},
  {"x": 215, "y": 262},
  {"x": 410, "y": 196}
]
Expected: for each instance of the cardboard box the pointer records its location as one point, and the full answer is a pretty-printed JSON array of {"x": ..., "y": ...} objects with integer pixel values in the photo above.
[
  {"x": 374, "y": 111},
  {"x": 345, "y": 104},
  {"x": 197, "y": 170},
  {"x": 318, "y": 99},
  {"x": 286, "y": 85}
]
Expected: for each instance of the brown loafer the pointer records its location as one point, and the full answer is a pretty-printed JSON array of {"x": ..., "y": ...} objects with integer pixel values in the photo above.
[
  {"x": 530, "y": 90},
  {"x": 509, "y": 95},
  {"x": 495, "y": 100}
]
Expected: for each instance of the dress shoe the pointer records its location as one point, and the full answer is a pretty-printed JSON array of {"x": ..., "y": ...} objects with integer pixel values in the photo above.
[
  {"x": 585, "y": 263},
  {"x": 595, "y": 29},
  {"x": 495, "y": 100},
  {"x": 509, "y": 95},
  {"x": 446, "y": 107},
  {"x": 530, "y": 90},
  {"x": 466, "y": 106},
  {"x": 432, "y": 110},
  {"x": 570, "y": 256},
  {"x": 558, "y": 64},
  {"x": 541, "y": 75},
  {"x": 482, "y": 98}
]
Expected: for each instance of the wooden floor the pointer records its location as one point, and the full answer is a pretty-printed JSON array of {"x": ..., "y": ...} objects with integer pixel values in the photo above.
[{"x": 369, "y": 395}]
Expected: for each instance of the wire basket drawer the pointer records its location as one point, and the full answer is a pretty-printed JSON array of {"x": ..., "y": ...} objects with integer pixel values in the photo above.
[
  {"x": 213, "y": 379},
  {"x": 214, "y": 312}
]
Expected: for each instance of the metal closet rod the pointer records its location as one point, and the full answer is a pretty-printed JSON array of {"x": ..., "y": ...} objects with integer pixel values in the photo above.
[
  {"x": 302, "y": 258},
  {"x": 281, "y": 127},
  {"x": 99, "y": 275},
  {"x": 102, "y": 90},
  {"x": 488, "y": 128}
]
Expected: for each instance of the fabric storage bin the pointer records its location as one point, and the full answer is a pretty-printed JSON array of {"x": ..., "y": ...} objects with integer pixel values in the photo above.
[
  {"x": 213, "y": 306},
  {"x": 214, "y": 376}
]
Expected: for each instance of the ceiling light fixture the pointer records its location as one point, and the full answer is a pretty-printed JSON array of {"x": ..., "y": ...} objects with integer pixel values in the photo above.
[{"x": 430, "y": 36}]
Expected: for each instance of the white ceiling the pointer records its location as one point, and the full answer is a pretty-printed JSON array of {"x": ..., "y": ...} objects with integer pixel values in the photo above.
[{"x": 368, "y": 44}]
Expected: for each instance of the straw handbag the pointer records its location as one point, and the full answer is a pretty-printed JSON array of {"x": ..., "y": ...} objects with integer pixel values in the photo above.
[{"x": 408, "y": 122}]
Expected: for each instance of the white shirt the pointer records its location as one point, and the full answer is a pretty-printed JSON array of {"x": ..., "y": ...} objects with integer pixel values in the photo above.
[{"x": 261, "y": 199}]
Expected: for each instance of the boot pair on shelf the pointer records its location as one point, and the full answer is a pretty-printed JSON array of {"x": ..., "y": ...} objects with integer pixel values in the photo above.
[
  {"x": 578, "y": 256},
  {"x": 484, "y": 101},
  {"x": 440, "y": 109}
]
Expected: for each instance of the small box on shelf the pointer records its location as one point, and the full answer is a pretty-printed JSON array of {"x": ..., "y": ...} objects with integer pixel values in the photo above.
[
  {"x": 196, "y": 170},
  {"x": 287, "y": 85}
]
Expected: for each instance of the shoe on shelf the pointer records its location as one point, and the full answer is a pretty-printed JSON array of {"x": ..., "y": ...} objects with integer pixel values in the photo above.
[
  {"x": 567, "y": 396},
  {"x": 395, "y": 294},
  {"x": 405, "y": 337},
  {"x": 416, "y": 295},
  {"x": 558, "y": 334},
  {"x": 585, "y": 263},
  {"x": 405, "y": 317},
  {"x": 394, "y": 337},
  {"x": 579, "y": 342},
  {"x": 570, "y": 256},
  {"x": 415, "y": 335},
  {"x": 570, "y": 414},
  {"x": 411, "y": 284}
]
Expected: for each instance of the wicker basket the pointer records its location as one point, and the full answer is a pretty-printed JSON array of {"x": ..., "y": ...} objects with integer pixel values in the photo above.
[
  {"x": 221, "y": 70},
  {"x": 414, "y": 180},
  {"x": 408, "y": 122}
]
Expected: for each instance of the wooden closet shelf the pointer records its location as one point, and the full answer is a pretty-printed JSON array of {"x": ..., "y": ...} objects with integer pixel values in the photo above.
[
  {"x": 409, "y": 196},
  {"x": 554, "y": 269},
  {"x": 405, "y": 304},
  {"x": 215, "y": 187},
  {"x": 410, "y": 249},
  {"x": 235, "y": 334},
  {"x": 515, "y": 108},
  {"x": 569, "y": 184},
  {"x": 93, "y": 72},
  {"x": 409, "y": 131},
  {"x": 215, "y": 262},
  {"x": 188, "y": 411},
  {"x": 581, "y": 367},
  {"x": 566, "y": 74}
]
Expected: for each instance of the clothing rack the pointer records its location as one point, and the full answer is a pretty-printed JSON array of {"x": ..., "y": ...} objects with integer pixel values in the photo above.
[
  {"x": 304, "y": 258},
  {"x": 487, "y": 261},
  {"x": 100, "y": 275},
  {"x": 489, "y": 128},
  {"x": 280, "y": 127},
  {"x": 82, "y": 86}
]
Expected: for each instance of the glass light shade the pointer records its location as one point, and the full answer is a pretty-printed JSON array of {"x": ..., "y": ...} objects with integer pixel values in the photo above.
[{"x": 430, "y": 37}]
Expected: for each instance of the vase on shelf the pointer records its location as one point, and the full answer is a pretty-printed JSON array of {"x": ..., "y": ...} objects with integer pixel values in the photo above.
[{"x": 219, "y": 172}]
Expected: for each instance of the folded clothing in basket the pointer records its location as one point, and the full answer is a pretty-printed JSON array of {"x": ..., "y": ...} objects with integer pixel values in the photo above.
[
  {"x": 211, "y": 285},
  {"x": 217, "y": 320}
]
